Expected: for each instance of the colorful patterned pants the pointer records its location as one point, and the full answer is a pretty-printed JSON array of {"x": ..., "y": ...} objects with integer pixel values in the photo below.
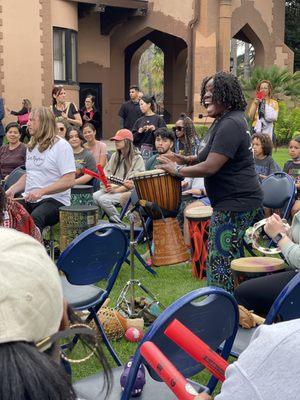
[{"x": 226, "y": 235}]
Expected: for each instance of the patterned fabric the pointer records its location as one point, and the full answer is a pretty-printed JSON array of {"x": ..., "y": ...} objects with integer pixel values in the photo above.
[
  {"x": 16, "y": 217},
  {"x": 226, "y": 235}
]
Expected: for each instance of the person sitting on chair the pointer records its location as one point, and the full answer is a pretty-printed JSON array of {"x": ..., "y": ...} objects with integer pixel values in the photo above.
[
  {"x": 50, "y": 170},
  {"x": 83, "y": 157},
  {"x": 123, "y": 164},
  {"x": 259, "y": 294}
]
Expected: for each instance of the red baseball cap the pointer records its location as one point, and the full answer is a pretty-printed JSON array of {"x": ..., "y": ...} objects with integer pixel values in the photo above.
[{"x": 123, "y": 134}]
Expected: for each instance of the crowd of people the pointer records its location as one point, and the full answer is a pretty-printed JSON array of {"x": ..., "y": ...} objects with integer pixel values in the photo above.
[{"x": 223, "y": 170}]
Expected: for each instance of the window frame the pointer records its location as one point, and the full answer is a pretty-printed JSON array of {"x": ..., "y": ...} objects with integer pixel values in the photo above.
[{"x": 68, "y": 56}]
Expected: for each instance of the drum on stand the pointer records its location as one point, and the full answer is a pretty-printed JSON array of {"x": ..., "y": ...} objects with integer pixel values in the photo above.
[
  {"x": 164, "y": 191},
  {"x": 253, "y": 267},
  {"x": 82, "y": 195},
  {"x": 75, "y": 220},
  {"x": 199, "y": 222}
]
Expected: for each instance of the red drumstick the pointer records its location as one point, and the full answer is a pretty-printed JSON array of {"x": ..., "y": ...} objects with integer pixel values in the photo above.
[
  {"x": 167, "y": 372},
  {"x": 102, "y": 176},
  {"x": 197, "y": 349},
  {"x": 91, "y": 173}
]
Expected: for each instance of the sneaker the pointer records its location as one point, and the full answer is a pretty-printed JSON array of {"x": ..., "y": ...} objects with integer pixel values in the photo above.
[
  {"x": 139, "y": 381},
  {"x": 115, "y": 219}
]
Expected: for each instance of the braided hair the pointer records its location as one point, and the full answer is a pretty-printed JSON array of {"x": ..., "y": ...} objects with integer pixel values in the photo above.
[
  {"x": 189, "y": 132},
  {"x": 227, "y": 91}
]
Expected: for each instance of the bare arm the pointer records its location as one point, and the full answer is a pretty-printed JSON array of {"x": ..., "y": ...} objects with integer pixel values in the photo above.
[
  {"x": 19, "y": 186},
  {"x": 102, "y": 160},
  {"x": 82, "y": 180},
  {"x": 209, "y": 167},
  {"x": 64, "y": 183}
]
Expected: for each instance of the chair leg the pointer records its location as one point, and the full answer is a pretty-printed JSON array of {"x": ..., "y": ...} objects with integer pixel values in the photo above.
[
  {"x": 52, "y": 242},
  {"x": 104, "y": 337}
]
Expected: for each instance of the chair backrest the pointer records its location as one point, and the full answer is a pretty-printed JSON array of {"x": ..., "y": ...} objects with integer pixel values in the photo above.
[
  {"x": 96, "y": 254},
  {"x": 287, "y": 304},
  {"x": 279, "y": 192},
  {"x": 210, "y": 313},
  {"x": 14, "y": 176}
]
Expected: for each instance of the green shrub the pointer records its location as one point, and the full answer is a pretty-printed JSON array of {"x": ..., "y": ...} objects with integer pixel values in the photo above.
[{"x": 288, "y": 124}]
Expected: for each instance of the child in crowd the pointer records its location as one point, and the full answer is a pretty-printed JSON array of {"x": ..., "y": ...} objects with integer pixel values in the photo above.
[
  {"x": 262, "y": 149},
  {"x": 292, "y": 167}
]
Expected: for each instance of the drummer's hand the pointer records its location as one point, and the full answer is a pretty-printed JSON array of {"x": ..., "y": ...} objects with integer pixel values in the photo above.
[
  {"x": 34, "y": 195},
  {"x": 274, "y": 226},
  {"x": 169, "y": 167},
  {"x": 128, "y": 183},
  {"x": 10, "y": 193},
  {"x": 178, "y": 158}
]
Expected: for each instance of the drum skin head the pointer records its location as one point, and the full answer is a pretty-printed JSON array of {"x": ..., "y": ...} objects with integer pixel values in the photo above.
[
  {"x": 199, "y": 212},
  {"x": 145, "y": 174}
]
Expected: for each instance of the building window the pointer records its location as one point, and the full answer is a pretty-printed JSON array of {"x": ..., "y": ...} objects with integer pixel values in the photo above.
[{"x": 65, "y": 56}]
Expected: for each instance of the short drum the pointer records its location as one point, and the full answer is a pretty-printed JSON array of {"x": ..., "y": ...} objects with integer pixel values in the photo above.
[
  {"x": 82, "y": 195},
  {"x": 253, "y": 267},
  {"x": 199, "y": 222},
  {"x": 75, "y": 220}
]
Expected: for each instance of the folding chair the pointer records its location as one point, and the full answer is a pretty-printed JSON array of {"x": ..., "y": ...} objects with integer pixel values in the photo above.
[
  {"x": 14, "y": 176},
  {"x": 285, "y": 307},
  {"x": 279, "y": 191},
  {"x": 96, "y": 254},
  {"x": 210, "y": 313}
]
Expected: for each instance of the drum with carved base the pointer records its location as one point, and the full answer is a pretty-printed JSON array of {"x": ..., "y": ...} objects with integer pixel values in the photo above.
[
  {"x": 199, "y": 221},
  {"x": 75, "y": 220}
]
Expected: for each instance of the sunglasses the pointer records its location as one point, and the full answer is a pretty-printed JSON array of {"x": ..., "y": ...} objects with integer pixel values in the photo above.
[{"x": 177, "y": 128}]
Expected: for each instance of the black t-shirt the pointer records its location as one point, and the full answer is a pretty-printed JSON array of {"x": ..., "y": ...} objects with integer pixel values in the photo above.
[
  {"x": 130, "y": 112},
  {"x": 293, "y": 169},
  {"x": 235, "y": 187}
]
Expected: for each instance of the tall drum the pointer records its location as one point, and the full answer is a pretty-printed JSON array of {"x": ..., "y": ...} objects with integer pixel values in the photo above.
[
  {"x": 82, "y": 195},
  {"x": 75, "y": 220},
  {"x": 164, "y": 191},
  {"x": 199, "y": 222}
]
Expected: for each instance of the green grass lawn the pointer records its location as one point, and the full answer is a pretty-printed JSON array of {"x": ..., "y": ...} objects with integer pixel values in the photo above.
[{"x": 169, "y": 284}]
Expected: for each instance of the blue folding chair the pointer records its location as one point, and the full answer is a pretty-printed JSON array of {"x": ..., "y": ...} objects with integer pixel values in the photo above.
[
  {"x": 95, "y": 255},
  {"x": 14, "y": 176},
  {"x": 279, "y": 192},
  {"x": 285, "y": 308},
  {"x": 210, "y": 313}
]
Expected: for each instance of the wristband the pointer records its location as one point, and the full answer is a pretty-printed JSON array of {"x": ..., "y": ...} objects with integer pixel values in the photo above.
[{"x": 177, "y": 170}]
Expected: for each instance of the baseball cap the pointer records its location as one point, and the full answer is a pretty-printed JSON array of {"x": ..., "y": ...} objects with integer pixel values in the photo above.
[
  {"x": 31, "y": 299},
  {"x": 123, "y": 134}
]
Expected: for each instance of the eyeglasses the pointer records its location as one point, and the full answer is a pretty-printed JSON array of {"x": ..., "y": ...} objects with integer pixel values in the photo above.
[{"x": 177, "y": 128}]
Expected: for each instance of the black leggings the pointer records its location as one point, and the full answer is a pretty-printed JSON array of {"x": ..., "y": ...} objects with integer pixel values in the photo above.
[
  {"x": 259, "y": 294},
  {"x": 45, "y": 212}
]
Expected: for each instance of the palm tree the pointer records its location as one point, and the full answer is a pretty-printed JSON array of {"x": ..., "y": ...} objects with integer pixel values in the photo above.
[{"x": 284, "y": 83}]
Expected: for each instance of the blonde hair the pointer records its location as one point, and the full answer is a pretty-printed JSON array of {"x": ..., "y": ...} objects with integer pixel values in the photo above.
[{"x": 45, "y": 136}]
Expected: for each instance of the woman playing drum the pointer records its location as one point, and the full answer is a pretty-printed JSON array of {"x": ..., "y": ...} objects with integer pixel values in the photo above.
[{"x": 231, "y": 183}]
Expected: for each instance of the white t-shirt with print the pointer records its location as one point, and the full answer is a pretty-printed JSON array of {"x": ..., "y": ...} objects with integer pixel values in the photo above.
[{"x": 43, "y": 169}]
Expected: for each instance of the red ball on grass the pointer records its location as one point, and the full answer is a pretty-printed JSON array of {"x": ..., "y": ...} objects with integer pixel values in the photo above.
[{"x": 134, "y": 334}]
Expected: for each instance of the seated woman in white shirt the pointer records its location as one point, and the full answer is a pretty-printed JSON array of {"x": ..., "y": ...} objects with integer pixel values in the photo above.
[{"x": 50, "y": 170}]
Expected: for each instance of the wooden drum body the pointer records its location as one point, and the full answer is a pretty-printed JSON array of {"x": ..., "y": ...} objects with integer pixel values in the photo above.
[
  {"x": 82, "y": 195},
  {"x": 160, "y": 188},
  {"x": 75, "y": 220},
  {"x": 165, "y": 191},
  {"x": 199, "y": 222},
  {"x": 253, "y": 267}
]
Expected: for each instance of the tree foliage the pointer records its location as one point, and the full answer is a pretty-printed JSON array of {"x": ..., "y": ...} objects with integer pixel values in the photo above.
[
  {"x": 284, "y": 82},
  {"x": 292, "y": 29},
  {"x": 151, "y": 72}
]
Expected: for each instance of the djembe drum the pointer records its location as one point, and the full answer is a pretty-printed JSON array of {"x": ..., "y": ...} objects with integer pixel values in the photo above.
[
  {"x": 199, "y": 221},
  {"x": 82, "y": 195},
  {"x": 163, "y": 191},
  {"x": 253, "y": 267},
  {"x": 75, "y": 220}
]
